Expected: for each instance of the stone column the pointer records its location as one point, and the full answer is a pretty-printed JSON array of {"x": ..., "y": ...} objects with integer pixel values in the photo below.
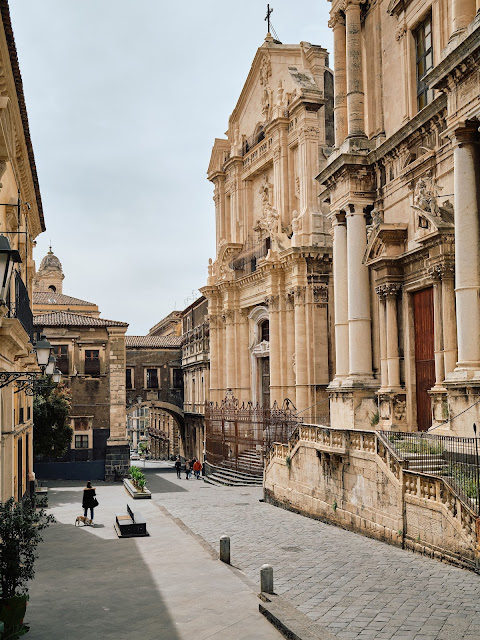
[
  {"x": 229, "y": 349},
  {"x": 438, "y": 329},
  {"x": 449, "y": 315},
  {"x": 301, "y": 371},
  {"x": 393, "y": 361},
  {"x": 244, "y": 356},
  {"x": 359, "y": 331},
  {"x": 382, "y": 325},
  {"x": 337, "y": 24},
  {"x": 275, "y": 360},
  {"x": 467, "y": 253},
  {"x": 355, "y": 94},
  {"x": 340, "y": 294},
  {"x": 290, "y": 344},
  {"x": 463, "y": 12}
]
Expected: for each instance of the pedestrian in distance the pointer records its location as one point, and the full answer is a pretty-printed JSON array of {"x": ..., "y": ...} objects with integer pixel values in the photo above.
[
  {"x": 197, "y": 467},
  {"x": 178, "y": 466},
  {"x": 187, "y": 469},
  {"x": 89, "y": 500}
]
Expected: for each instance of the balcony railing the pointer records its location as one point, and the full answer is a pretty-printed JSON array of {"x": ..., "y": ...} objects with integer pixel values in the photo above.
[{"x": 20, "y": 306}]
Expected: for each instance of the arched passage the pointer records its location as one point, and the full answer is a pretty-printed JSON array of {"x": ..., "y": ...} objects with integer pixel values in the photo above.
[{"x": 162, "y": 442}]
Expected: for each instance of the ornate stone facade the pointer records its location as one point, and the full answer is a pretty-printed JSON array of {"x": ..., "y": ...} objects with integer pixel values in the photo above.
[
  {"x": 403, "y": 193},
  {"x": 269, "y": 286}
]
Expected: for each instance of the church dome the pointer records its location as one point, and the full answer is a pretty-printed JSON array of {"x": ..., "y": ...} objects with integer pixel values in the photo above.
[{"x": 51, "y": 262}]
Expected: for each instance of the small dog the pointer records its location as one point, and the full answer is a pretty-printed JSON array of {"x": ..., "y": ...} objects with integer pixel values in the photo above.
[{"x": 86, "y": 521}]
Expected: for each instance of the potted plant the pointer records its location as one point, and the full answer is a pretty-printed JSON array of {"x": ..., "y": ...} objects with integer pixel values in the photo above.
[{"x": 20, "y": 527}]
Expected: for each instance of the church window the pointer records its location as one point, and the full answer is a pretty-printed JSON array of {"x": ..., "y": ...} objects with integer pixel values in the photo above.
[
  {"x": 92, "y": 362},
  {"x": 60, "y": 351},
  {"x": 265, "y": 331},
  {"x": 424, "y": 60},
  {"x": 152, "y": 379}
]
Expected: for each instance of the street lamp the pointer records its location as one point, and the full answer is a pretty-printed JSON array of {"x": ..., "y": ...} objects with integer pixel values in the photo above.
[
  {"x": 43, "y": 349},
  {"x": 57, "y": 375},
  {"x": 50, "y": 368},
  {"x": 8, "y": 257}
]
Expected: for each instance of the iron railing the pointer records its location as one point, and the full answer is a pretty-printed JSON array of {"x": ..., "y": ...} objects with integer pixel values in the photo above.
[
  {"x": 246, "y": 261},
  {"x": 238, "y": 436},
  {"x": 456, "y": 460},
  {"x": 20, "y": 307}
]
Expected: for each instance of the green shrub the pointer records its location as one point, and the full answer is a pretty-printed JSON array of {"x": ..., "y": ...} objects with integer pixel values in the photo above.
[{"x": 138, "y": 478}]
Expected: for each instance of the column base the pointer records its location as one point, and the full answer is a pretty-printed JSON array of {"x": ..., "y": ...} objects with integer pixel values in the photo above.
[
  {"x": 461, "y": 395},
  {"x": 392, "y": 410},
  {"x": 354, "y": 405}
]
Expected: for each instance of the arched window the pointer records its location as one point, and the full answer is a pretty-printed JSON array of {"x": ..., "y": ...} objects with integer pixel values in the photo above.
[
  {"x": 264, "y": 331},
  {"x": 53, "y": 288}
]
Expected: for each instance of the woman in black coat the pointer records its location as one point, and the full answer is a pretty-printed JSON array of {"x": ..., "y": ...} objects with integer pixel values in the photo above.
[{"x": 89, "y": 500}]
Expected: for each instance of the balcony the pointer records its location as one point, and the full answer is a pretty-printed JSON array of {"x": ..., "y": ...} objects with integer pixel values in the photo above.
[{"x": 19, "y": 307}]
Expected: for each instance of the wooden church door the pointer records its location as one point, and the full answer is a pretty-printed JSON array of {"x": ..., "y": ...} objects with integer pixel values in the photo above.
[{"x": 424, "y": 355}]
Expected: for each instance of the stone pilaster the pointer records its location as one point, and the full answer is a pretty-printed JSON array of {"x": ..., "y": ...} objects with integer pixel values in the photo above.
[{"x": 301, "y": 371}]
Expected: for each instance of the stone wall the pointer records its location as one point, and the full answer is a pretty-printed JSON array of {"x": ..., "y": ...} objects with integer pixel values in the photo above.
[{"x": 353, "y": 479}]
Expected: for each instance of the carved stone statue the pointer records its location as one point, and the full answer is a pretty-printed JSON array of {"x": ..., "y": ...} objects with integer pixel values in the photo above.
[{"x": 425, "y": 196}]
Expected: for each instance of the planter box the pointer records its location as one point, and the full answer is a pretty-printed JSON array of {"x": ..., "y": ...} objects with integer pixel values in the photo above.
[{"x": 134, "y": 492}]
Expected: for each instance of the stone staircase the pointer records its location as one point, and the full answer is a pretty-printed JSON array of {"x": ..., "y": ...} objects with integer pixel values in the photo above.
[
  {"x": 247, "y": 472},
  {"x": 426, "y": 463}
]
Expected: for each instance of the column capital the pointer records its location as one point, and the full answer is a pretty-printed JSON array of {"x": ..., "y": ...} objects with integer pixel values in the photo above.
[
  {"x": 352, "y": 4},
  {"x": 442, "y": 271},
  {"x": 272, "y": 302},
  {"x": 464, "y": 135},
  {"x": 338, "y": 218},
  {"x": 390, "y": 290},
  {"x": 336, "y": 19}
]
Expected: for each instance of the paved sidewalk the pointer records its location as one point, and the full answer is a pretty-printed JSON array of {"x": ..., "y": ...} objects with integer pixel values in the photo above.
[
  {"x": 355, "y": 587},
  {"x": 90, "y": 584}
]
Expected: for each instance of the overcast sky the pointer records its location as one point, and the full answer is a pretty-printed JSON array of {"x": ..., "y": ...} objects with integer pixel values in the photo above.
[{"x": 124, "y": 101}]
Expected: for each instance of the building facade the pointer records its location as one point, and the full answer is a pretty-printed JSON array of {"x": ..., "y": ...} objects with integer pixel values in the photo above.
[
  {"x": 155, "y": 391},
  {"x": 269, "y": 285},
  {"x": 90, "y": 353},
  {"x": 21, "y": 221},
  {"x": 402, "y": 187},
  {"x": 196, "y": 374}
]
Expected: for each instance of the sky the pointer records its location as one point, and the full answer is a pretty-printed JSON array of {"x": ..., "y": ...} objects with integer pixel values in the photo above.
[{"x": 124, "y": 101}]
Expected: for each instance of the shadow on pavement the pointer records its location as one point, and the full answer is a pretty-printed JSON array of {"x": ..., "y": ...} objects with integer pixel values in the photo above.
[
  {"x": 94, "y": 588},
  {"x": 157, "y": 484}
]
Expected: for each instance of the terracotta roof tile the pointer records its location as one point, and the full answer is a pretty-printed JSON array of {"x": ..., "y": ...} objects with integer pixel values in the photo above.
[
  {"x": 50, "y": 297},
  {"x": 153, "y": 342},
  {"x": 63, "y": 318}
]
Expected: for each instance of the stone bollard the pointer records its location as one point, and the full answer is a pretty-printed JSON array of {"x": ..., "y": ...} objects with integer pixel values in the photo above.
[
  {"x": 225, "y": 549},
  {"x": 266, "y": 578}
]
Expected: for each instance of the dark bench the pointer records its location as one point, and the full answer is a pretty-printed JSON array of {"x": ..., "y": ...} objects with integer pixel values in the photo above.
[{"x": 130, "y": 525}]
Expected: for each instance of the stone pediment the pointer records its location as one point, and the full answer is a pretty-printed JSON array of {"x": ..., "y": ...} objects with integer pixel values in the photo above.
[
  {"x": 220, "y": 151},
  {"x": 427, "y": 223},
  {"x": 387, "y": 241}
]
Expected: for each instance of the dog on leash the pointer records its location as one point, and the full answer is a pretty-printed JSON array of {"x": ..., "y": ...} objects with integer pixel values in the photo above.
[{"x": 86, "y": 521}]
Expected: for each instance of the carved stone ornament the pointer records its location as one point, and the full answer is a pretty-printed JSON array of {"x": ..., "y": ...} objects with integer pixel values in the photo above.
[
  {"x": 426, "y": 194},
  {"x": 320, "y": 293},
  {"x": 377, "y": 219},
  {"x": 401, "y": 31},
  {"x": 297, "y": 222},
  {"x": 399, "y": 409},
  {"x": 272, "y": 303},
  {"x": 442, "y": 271},
  {"x": 387, "y": 290},
  {"x": 265, "y": 71}
]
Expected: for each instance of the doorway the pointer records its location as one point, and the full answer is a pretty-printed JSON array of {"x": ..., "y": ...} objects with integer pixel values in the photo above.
[
  {"x": 424, "y": 355},
  {"x": 264, "y": 382}
]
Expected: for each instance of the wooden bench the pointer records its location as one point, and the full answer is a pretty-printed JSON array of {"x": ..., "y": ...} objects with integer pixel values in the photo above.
[{"x": 130, "y": 525}]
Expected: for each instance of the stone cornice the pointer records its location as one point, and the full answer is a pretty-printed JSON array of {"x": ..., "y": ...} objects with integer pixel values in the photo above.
[{"x": 437, "y": 78}]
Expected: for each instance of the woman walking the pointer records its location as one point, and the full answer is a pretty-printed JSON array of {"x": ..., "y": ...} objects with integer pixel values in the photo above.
[{"x": 89, "y": 500}]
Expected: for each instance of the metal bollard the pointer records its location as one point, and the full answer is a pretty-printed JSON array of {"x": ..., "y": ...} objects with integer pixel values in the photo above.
[
  {"x": 266, "y": 578},
  {"x": 225, "y": 549}
]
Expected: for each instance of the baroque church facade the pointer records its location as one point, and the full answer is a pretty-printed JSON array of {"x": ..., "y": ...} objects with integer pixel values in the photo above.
[
  {"x": 402, "y": 187},
  {"x": 269, "y": 285}
]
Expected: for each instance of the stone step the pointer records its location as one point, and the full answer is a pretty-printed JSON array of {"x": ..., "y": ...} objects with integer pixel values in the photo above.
[
  {"x": 233, "y": 472},
  {"x": 233, "y": 479}
]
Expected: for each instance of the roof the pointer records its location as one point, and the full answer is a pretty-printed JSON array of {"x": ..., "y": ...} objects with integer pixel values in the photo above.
[
  {"x": 66, "y": 318},
  {"x": 153, "y": 342},
  {"x": 51, "y": 297},
  {"x": 12, "y": 50}
]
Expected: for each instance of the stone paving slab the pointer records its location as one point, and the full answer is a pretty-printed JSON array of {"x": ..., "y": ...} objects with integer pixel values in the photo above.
[
  {"x": 91, "y": 584},
  {"x": 353, "y": 586}
]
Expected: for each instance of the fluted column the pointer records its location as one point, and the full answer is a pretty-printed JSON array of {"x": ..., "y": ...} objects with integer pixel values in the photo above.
[
  {"x": 359, "y": 331},
  {"x": 301, "y": 371},
  {"x": 467, "y": 253},
  {"x": 355, "y": 94},
  {"x": 337, "y": 23},
  {"x": 340, "y": 294}
]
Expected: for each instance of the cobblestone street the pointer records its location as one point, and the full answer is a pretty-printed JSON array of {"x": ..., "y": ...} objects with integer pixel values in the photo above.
[{"x": 353, "y": 586}]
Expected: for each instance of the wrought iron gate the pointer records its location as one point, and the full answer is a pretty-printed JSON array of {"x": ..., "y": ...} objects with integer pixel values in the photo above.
[{"x": 238, "y": 436}]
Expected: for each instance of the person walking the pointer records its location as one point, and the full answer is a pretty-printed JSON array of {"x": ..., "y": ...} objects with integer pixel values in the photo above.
[
  {"x": 187, "y": 469},
  {"x": 178, "y": 466},
  {"x": 89, "y": 500},
  {"x": 197, "y": 467}
]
